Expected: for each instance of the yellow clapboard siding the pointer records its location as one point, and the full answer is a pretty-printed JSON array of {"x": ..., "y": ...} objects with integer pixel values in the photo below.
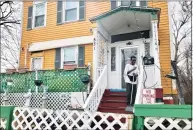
[
  {"x": 164, "y": 37},
  {"x": 49, "y": 59}
]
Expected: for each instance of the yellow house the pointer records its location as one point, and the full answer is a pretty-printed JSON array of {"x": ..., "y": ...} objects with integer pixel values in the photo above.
[{"x": 104, "y": 33}]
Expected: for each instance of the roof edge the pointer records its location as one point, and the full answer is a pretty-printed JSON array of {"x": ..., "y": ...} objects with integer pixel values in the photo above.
[{"x": 126, "y": 8}]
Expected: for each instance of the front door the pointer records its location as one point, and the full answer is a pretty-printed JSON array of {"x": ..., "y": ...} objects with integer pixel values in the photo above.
[
  {"x": 126, "y": 53},
  {"x": 118, "y": 57}
]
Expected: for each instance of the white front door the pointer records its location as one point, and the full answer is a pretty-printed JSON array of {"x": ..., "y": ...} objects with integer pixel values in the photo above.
[{"x": 118, "y": 57}]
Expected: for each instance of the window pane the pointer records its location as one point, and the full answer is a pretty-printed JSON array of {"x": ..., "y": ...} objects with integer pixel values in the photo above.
[
  {"x": 71, "y": 4},
  {"x": 113, "y": 59},
  {"x": 40, "y": 9},
  {"x": 39, "y": 21},
  {"x": 36, "y": 64},
  {"x": 69, "y": 54},
  {"x": 71, "y": 15},
  {"x": 125, "y": 3}
]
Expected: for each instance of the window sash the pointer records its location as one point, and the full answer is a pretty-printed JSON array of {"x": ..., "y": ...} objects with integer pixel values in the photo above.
[
  {"x": 137, "y": 3},
  {"x": 69, "y": 61},
  {"x": 36, "y": 63},
  {"x": 68, "y": 9},
  {"x": 35, "y": 15}
]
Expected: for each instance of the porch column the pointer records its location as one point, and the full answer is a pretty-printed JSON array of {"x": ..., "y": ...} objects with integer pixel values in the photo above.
[
  {"x": 95, "y": 55},
  {"x": 155, "y": 51}
]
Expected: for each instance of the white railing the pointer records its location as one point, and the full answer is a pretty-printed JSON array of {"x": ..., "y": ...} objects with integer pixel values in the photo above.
[
  {"x": 41, "y": 119},
  {"x": 152, "y": 123},
  {"x": 140, "y": 86},
  {"x": 3, "y": 122},
  {"x": 93, "y": 100}
]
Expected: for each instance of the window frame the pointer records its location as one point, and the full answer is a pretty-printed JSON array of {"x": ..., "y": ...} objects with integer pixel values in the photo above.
[
  {"x": 62, "y": 56},
  {"x": 41, "y": 62},
  {"x": 34, "y": 11},
  {"x": 118, "y": 3},
  {"x": 77, "y": 13}
]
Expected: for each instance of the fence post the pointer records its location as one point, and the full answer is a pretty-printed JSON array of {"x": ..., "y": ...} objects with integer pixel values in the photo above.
[
  {"x": 7, "y": 113},
  {"x": 138, "y": 123}
]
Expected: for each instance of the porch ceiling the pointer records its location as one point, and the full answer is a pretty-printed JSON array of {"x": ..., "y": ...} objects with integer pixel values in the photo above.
[{"x": 125, "y": 19}]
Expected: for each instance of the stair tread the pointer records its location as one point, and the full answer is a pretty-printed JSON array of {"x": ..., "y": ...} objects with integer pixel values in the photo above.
[
  {"x": 103, "y": 107},
  {"x": 118, "y": 95},
  {"x": 114, "y": 101}
]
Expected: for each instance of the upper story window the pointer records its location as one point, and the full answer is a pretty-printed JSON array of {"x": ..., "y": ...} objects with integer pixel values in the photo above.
[
  {"x": 37, "y": 15},
  {"x": 70, "y": 11},
  {"x": 115, "y": 3}
]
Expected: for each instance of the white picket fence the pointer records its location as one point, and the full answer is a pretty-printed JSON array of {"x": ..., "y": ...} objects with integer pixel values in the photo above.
[
  {"x": 161, "y": 123},
  {"x": 30, "y": 118}
]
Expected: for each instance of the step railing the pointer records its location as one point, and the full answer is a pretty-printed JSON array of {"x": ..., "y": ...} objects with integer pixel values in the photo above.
[
  {"x": 93, "y": 100},
  {"x": 140, "y": 86}
]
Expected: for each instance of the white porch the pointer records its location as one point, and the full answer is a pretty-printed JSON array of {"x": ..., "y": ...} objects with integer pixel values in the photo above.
[{"x": 125, "y": 29}]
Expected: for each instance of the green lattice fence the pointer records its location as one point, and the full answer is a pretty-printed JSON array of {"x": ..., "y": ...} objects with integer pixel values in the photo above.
[{"x": 56, "y": 80}]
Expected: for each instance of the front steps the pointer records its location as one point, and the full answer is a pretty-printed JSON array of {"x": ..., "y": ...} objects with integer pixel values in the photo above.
[{"x": 113, "y": 102}]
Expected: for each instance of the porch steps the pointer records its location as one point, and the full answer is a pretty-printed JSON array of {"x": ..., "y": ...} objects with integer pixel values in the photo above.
[{"x": 113, "y": 102}]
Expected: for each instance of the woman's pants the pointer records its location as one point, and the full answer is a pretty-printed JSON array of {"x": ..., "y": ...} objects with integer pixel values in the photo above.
[{"x": 131, "y": 93}]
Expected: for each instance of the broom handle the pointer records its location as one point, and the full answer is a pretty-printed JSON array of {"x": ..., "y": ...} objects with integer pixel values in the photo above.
[{"x": 131, "y": 92}]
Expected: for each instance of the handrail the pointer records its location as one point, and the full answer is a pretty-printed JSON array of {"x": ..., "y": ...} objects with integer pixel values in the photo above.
[
  {"x": 140, "y": 86},
  {"x": 97, "y": 92}
]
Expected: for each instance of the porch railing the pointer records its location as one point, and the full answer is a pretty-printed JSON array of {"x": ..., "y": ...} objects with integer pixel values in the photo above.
[{"x": 96, "y": 94}]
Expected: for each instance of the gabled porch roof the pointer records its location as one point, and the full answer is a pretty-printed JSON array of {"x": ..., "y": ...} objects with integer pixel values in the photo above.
[
  {"x": 153, "y": 11},
  {"x": 126, "y": 19}
]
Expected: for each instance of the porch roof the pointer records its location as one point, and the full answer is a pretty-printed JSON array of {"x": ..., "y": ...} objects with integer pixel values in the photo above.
[
  {"x": 126, "y": 19},
  {"x": 154, "y": 11}
]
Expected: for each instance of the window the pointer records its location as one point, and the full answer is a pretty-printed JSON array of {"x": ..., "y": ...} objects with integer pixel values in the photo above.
[
  {"x": 68, "y": 55},
  {"x": 36, "y": 15},
  {"x": 115, "y": 4},
  {"x": 39, "y": 14},
  {"x": 36, "y": 63},
  {"x": 70, "y": 11}
]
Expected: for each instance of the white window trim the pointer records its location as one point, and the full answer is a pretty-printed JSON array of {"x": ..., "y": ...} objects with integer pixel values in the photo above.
[
  {"x": 62, "y": 56},
  {"x": 34, "y": 10},
  {"x": 64, "y": 12},
  {"x": 42, "y": 61}
]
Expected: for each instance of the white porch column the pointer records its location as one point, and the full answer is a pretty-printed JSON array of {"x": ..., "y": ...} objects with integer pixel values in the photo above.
[
  {"x": 155, "y": 51},
  {"x": 95, "y": 54}
]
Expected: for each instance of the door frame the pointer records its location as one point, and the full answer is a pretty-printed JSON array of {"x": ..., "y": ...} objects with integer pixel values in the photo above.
[{"x": 120, "y": 60}]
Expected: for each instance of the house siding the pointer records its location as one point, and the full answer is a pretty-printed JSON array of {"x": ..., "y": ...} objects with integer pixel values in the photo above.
[
  {"x": 164, "y": 37},
  {"x": 52, "y": 31}
]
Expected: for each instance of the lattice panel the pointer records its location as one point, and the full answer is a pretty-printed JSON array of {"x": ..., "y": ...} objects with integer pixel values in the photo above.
[
  {"x": 102, "y": 50},
  {"x": 27, "y": 118},
  {"x": 3, "y": 123},
  {"x": 55, "y": 101},
  {"x": 56, "y": 80},
  {"x": 156, "y": 123}
]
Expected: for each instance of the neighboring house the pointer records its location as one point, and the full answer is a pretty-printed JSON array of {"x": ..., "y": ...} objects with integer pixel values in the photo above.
[{"x": 103, "y": 34}]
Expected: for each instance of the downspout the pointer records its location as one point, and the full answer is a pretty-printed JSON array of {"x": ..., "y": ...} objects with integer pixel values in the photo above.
[{"x": 26, "y": 50}]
